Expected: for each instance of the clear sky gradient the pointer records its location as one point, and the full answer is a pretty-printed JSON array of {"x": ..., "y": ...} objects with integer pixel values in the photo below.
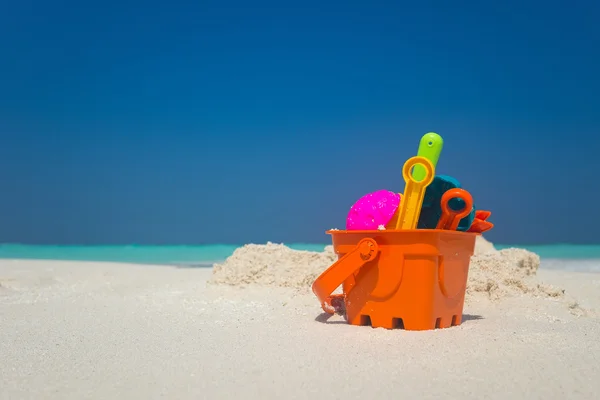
[{"x": 171, "y": 122}]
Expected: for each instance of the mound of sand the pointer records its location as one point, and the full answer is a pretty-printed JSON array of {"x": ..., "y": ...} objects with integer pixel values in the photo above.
[
  {"x": 493, "y": 274},
  {"x": 482, "y": 246},
  {"x": 273, "y": 264}
]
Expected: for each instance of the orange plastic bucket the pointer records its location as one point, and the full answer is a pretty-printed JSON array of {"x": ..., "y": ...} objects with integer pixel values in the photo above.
[{"x": 412, "y": 279}]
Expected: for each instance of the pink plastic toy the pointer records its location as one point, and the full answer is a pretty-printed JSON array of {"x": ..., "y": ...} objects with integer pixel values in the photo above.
[{"x": 373, "y": 210}]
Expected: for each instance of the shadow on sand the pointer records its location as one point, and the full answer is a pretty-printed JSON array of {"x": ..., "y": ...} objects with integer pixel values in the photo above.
[{"x": 324, "y": 319}]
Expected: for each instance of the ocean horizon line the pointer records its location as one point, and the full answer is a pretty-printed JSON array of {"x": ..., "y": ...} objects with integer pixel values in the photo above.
[
  {"x": 160, "y": 245},
  {"x": 521, "y": 245},
  {"x": 196, "y": 254}
]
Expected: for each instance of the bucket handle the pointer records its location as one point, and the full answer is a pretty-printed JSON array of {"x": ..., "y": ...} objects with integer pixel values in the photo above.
[{"x": 366, "y": 250}]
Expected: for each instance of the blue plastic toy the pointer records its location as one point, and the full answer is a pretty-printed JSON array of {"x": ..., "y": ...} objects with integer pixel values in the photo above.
[{"x": 431, "y": 212}]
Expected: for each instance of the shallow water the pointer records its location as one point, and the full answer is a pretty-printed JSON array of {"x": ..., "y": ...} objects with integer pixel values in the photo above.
[
  {"x": 189, "y": 256},
  {"x": 584, "y": 258}
]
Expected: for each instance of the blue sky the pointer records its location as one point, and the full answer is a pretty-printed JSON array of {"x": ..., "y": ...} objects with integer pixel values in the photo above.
[{"x": 228, "y": 121}]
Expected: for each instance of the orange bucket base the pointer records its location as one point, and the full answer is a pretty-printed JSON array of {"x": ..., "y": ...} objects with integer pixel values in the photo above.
[
  {"x": 410, "y": 279},
  {"x": 409, "y": 325}
]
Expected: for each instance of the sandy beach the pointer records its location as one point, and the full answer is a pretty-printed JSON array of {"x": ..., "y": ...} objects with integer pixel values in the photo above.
[{"x": 83, "y": 330}]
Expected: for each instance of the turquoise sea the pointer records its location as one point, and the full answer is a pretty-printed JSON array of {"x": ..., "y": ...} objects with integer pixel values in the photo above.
[
  {"x": 183, "y": 255},
  {"x": 575, "y": 257}
]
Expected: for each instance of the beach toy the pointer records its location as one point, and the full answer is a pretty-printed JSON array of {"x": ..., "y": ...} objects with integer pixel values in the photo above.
[
  {"x": 430, "y": 147},
  {"x": 373, "y": 210},
  {"x": 404, "y": 277},
  {"x": 480, "y": 223},
  {"x": 410, "y": 279},
  {"x": 414, "y": 192},
  {"x": 431, "y": 211},
  {"x": 451, "y": 217}
]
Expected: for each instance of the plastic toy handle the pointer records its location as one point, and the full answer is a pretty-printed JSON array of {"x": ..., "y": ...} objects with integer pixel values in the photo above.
[
  {"x": 414, "y": 192},
  {"x": 430, "y": 147},
  {"x": 366, "y": 250},
  {"x": 451, "y": 218}
]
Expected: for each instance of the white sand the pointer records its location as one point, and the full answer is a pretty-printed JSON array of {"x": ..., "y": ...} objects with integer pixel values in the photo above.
[{"x": 72, "y": 330}]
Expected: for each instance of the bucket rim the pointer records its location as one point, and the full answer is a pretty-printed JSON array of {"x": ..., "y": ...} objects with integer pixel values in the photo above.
[{"x": 334, "y": 232}]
